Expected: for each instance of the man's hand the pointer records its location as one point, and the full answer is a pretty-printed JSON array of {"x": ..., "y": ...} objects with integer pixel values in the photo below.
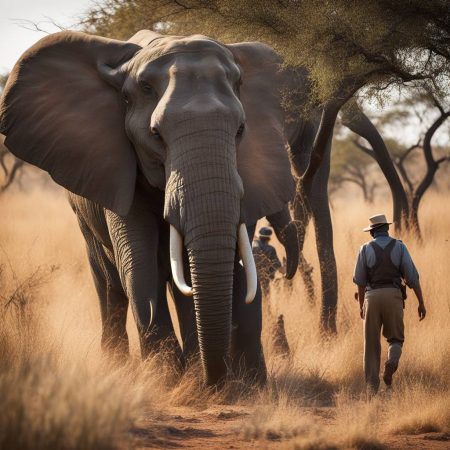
[
  {"x": 361, "y": 313},
  {"x": 422, "y": 311},
  {"x": 360, "y": 298}
]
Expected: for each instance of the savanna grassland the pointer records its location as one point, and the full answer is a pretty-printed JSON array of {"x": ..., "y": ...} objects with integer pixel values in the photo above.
[{"x": 57, "y": 391}]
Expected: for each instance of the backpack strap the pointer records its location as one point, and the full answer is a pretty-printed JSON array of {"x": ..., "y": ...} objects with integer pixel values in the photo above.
[{"x": 382, "y": 255}]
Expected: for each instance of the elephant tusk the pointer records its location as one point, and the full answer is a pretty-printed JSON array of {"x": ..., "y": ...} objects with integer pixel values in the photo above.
[
  {"x": 176, "y": 262},
  {"x": 248, "y": 262}
]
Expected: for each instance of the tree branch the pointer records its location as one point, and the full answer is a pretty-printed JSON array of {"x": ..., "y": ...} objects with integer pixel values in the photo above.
[{"x": 366, "y": 150}]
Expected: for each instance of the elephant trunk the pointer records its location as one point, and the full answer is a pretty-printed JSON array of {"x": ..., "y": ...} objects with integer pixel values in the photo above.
[{"x": 203, "y": 202}]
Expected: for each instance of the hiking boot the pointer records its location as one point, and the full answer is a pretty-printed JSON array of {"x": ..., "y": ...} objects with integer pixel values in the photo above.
[{"x": 389, "y": 370}]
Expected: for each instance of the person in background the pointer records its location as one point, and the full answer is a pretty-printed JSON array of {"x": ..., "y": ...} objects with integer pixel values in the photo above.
[
  {"x": 381, "y": 267},
  {"x": 266, "y": 258}
]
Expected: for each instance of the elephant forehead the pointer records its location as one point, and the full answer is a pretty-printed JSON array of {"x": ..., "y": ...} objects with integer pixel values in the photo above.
[
  {"x": 191, "y": 44},
  {"x": 204, "y": 64}
]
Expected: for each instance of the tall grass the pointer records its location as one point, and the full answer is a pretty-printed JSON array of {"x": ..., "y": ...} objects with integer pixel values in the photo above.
[{"x": 58, "y": 391}]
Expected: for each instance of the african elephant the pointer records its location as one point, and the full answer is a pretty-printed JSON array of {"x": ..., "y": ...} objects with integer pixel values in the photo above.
[{"x": 167, "y": 145}]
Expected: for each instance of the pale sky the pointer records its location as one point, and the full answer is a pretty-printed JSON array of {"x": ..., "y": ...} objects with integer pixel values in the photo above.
[{"x": 17, "y": 14}]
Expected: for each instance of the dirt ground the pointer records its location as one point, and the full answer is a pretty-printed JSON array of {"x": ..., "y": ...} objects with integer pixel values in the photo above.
[{"x": 220, "y": 427}]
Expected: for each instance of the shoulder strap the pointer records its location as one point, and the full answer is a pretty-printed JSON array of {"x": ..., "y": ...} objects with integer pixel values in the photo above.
[
  {"x": 378, "y": 254},
  {"x": 388, "y": 250},
  {"x": 391, "y": 245},
  {"x": 382, "y": 255}
]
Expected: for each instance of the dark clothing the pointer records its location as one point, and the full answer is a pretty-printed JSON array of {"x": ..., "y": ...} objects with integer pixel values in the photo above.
[
  {"x": 267, "y": 262},
  {"x": 267, "y": 256},
  {"x": 381, "y": 266},
  {"x": 400, "y": 257},
  {"x": 383, "y": 310},
  {"x": 384, "y": 273}
]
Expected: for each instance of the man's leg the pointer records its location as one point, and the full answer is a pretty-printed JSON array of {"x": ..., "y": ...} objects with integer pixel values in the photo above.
[
  {"x": 393, "y": 331},
  {"x": 372, "y": 346}
]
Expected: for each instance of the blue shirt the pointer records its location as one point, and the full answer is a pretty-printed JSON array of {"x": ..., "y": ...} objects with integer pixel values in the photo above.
[{"x": 400, "y": 257}]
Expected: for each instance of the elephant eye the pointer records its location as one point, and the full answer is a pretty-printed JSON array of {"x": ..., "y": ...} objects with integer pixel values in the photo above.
[
  {"x": 147, "y": 88},
  {"x": 125, "y": 98},
  {"x": 240, "y": 131}
]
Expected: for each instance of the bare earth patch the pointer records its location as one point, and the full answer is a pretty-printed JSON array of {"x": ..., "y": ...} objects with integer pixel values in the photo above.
[{"x": 221, "y": 427}]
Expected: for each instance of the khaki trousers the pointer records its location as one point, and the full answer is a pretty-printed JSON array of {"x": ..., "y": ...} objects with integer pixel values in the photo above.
[{"x": 383, "y": 308}]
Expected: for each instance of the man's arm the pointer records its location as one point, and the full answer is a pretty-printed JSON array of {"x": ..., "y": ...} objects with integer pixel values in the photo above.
[
  {"x": 360, "y": 278},
  {"x": 421, "y": 309},
  {"x": 361, "y": 292},
  {"x": 411, "y": 276}
]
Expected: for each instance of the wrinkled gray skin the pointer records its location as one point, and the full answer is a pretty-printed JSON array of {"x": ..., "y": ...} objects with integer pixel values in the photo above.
[{"x": 155, "y": 131}]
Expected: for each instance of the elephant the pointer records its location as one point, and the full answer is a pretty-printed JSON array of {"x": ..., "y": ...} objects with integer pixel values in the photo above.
[{"x": 171, "y": 148}]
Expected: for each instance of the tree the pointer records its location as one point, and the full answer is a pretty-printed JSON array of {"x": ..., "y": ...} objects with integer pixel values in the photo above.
[
  {"x": 431, "y": 111},
  {"x": 354, "y": 118},
  {"x": 337, "y": 41},
  {"x": 350, "y": 165}
]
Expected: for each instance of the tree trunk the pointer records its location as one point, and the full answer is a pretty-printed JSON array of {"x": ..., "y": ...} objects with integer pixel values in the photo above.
[
  {"x": 311, "y": 201},
  {"x": 306, "y": 271},
  {"x": 432, "y": 167},
  {"x": 314, "y": 203},
  {"x": 320, "y": 208},
  {"x": 355, "y": 119}
]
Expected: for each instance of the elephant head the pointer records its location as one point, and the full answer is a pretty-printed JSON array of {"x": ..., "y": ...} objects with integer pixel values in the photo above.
[{"x": 198, "y": 119}]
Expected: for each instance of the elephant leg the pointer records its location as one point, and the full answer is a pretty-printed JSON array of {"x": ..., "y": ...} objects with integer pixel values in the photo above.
[
  {"x": 113, "y": 301},
  {"x": 135, "y": 241},
  {"x": 184, "y": 307},
  {"x": 163, "y": 337},
  {"x": 114, "y": 334},
  {"x": 186, "y": 320},
  {"x": 247, "y": 353}
]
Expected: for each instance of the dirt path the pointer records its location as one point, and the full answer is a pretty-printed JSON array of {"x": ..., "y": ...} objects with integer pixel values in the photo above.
[
  {"x": 214, "y": 428},
  {"x": 221, "y": 427}
]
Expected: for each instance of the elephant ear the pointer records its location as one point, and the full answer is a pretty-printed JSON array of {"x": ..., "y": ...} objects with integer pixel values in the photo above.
[
  {"x": 263, "y": 161},
  {"x": 144, "y": 37},
  {"x": 58, "y": 114}
]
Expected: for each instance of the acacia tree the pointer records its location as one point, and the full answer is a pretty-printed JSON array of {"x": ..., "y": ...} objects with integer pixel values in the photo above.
[
  {"x": 343, "y": 44},
  {"x": 350, "y": 165},
  {"x": 354, "y": 118},
  {"x": 432, "y": 111}
]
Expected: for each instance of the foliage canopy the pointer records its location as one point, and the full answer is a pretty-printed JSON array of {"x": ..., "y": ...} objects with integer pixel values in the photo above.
[{"x": 341, "y": 42}]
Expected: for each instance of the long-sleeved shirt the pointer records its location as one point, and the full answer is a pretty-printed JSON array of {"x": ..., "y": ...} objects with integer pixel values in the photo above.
[
  {"x": 266, "y": 258},
  {"x": 400, "y": 257}
]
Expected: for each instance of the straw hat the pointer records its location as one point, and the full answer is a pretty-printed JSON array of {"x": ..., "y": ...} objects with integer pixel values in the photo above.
[{"x": 376, "y": 221}]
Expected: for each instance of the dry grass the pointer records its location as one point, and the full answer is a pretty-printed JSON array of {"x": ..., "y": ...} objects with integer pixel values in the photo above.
[{"x": 58, "y": 391}]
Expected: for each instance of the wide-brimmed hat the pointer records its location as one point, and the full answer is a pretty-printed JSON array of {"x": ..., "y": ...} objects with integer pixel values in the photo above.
[
  {"x": 376, "y": 221},
  {"x": 265, "y": 232}
]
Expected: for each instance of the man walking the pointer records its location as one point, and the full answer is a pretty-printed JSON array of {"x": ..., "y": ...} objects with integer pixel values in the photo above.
[
  {"x": 266, "y": 258},
  {"x": 381, "y": 267}
]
